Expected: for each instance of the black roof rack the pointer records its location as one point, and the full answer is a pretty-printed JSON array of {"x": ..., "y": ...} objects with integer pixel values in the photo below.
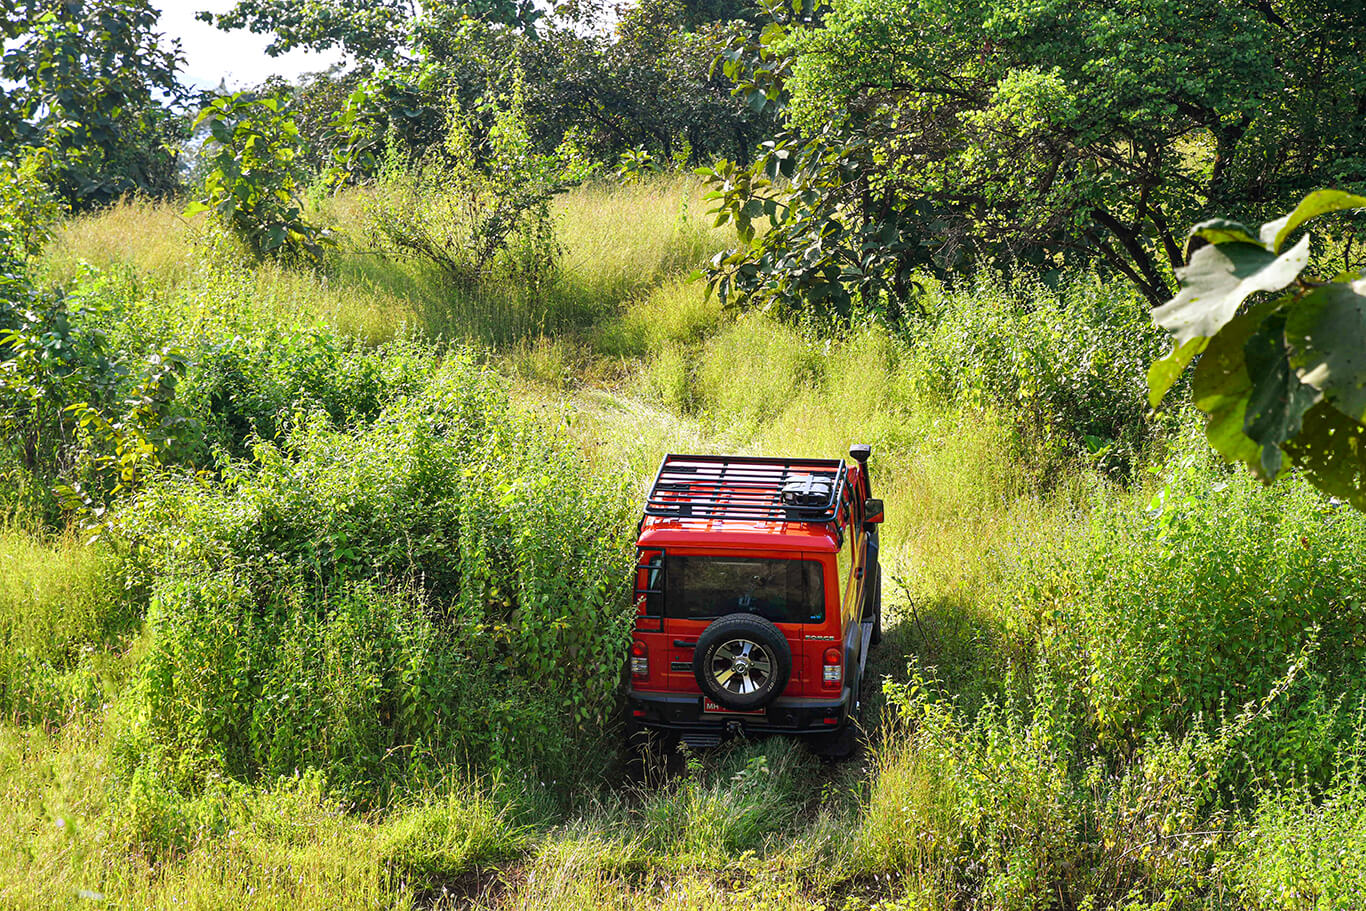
[{"x": 749, "y": 488}]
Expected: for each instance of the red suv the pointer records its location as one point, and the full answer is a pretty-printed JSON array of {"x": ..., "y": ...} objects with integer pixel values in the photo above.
[{"x": 758, "y": 595}]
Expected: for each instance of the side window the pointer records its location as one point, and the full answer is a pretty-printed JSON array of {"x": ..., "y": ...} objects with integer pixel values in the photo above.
[
  {"x": 650, "y": 583},
  {"x": 848, "y": 567}
]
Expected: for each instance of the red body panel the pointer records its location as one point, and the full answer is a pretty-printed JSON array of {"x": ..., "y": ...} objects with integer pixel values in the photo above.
[{"x": 667, "y": 639}]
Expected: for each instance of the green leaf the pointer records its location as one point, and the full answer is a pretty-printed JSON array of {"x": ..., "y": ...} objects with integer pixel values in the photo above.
[
  {"x": 1320, "y": 202},
  {"x": 195, "y": 208},
  {"x": 1277, "y": 399},
  {"x": 1221, "y": 231},
  {"x": 1162, "y": 374},
  {"x": 1331, "y": 449},
  {"x": 1327, "y": 333},
  {"x": 1220, "y": 386},
  {"x": 1217, "y": 281}
]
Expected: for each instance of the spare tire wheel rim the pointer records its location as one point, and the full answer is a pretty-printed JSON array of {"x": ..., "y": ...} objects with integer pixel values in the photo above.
[{"x": 741, "y": 666}]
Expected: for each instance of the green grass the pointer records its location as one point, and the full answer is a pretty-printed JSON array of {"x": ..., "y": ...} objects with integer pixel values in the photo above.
[
  {"x": 619, "y": 243},
  {"x": 63, "y": 626},
  {"x": 1015, "y": 549}
]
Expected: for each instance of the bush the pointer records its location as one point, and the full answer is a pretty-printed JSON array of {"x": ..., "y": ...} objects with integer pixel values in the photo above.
[
  {"x": 1158, "y": 676},
  {"x": 76, "y": 412},
  {"x": 28, "y": 210},
  {"x": 474, "y": 212},
  {"x": 443, "y": 582},
  {"x": 1068, "y": 366},
  {"x": 255, "y": 177},
  {"x": 255, "y": 388},
  {"x": 94, "y": 393},
  {"x": 1303, "y": 851},
  {"x": 1197, "y": 606},
  {"x": 1013, "y": 806},
  {"x": 984, "y": 807}
]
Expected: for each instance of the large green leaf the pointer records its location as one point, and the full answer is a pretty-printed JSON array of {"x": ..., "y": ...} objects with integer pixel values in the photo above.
[
  {"x": 1220, "y": 386},
  {"x": 1326, "y": 331},
  {"x": 1331, "y": 449},
  {"x": 1277, "y": 398},
  {"x": 1320, "y": 202},
  {"x": 1217, "y": 281},
  {"x": 1162, "y": 374},
  {"x": 1221, "y": 231}
]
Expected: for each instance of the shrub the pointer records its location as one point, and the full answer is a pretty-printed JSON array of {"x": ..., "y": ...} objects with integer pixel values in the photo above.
[
  {"x": 1010, "y": 808},
  {"x": 1303, "y": 851},
  {"x": 445, "y": 581},
  {"x": 982, "y": 806},
  {"x": 102, "y": 383},
  {"x": 254, "y": 178},
  {"x": 74, "y": 410},
  {"x": 28, "y": 210},
  {"x": 471, "y": 210},
  {"x": 1197, "y": 606},
  {"x": 243, "y": 389},
  {"x": 1069, "y": 367}
]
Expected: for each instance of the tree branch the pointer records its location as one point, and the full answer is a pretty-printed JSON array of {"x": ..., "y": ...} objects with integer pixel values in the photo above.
[{"x": 1128, "y": 239}]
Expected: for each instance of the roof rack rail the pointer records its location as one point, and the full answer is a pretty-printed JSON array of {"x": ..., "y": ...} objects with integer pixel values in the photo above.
[{"x": 749, "y": 488}]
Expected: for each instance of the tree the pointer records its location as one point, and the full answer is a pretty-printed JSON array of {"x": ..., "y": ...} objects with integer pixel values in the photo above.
[
  {"x": 1048, "y": 133},
  {"x": 1283, "y": 381},
  {"x": 254, "y": 179},
  {"x": 649, "y": 84},
  {"x": 92, "y": 86},
  {"x": 374, "y": 33}
]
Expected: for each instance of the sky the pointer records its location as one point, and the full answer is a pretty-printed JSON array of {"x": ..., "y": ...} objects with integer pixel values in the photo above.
[{"x": 237, "y": 56}]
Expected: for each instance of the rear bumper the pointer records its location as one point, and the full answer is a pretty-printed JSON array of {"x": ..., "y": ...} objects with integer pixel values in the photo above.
[{"x": 681, "y": 712}]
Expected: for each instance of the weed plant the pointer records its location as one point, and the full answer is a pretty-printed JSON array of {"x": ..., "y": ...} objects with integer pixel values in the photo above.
[
  {"x": 507, "y": 553},
  {"x": 357, "y": 642}
]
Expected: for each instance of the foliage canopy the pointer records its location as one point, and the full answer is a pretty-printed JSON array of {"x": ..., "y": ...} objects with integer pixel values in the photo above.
[
  {"x": 373, "y": 33},
  {"x": 1048, "y": 133},
  {"x": 86, "y": 85}
]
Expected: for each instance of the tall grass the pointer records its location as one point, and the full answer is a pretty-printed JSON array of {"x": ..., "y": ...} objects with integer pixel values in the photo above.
[
  {"x": 63, "y": 621},
  {"x": 621, "y": 240},
  {"x": 1072, "y": 713},
  {"x": 618, "y": 242}
]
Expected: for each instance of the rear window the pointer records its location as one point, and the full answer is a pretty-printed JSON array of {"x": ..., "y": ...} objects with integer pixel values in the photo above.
[{"x": 783, "y": 591}]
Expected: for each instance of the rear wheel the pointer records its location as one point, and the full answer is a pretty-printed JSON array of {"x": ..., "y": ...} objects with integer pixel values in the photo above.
[{"x": 742, "y": 662}]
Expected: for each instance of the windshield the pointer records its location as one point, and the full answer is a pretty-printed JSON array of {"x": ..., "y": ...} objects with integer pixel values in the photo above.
[{"x": 783, "y": 591}]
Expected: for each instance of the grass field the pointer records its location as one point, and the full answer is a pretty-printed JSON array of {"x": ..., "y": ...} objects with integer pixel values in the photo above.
[{"x": 1116, "y": 674}]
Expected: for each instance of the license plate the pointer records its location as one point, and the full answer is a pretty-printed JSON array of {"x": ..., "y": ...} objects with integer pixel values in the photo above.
[{"x": 711, "y": 708}]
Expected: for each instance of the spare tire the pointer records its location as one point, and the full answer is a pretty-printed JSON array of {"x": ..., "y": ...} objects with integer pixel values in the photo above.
[{"x": 742, "y": 662}]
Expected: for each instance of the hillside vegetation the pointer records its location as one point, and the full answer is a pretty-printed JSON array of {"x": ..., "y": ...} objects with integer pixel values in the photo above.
[{"x": 329, "y": 607}]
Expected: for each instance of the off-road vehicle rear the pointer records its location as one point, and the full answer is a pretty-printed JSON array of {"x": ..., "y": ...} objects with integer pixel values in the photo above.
[{"x": 757, "y": 593}]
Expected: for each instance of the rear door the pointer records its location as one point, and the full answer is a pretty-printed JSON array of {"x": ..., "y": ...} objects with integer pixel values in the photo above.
[{"x": 787, "y": 589}]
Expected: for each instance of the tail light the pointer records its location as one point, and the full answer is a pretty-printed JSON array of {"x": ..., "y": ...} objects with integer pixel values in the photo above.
[
  {"x": 640, "y": 659},
  {"x": 833, "y": 672}
]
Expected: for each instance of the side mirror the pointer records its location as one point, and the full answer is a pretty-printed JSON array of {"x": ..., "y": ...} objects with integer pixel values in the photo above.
[{"x": 872, "y": 512}]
